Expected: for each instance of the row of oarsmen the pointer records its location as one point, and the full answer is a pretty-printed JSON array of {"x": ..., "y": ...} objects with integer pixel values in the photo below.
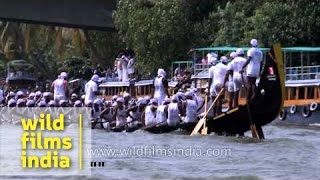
[{"x": 146, "y": 111}]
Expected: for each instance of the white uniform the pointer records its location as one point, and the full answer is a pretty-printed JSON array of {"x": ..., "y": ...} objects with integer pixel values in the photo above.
[
  {"x": 135, "y": 116},
  {"x": 159, "y": 90},
  {"x": 59, "y": 90},
  {"x": 236, "y": 66},
  {"x": 124, "y": 62},
  {"x": 220, "y": 71},
  {"x": 191, "y": 111},
  {"x": 211, "y": 76},
  {"x": 161, "y": 114},
  {"x": 253, "y": 69},
  {"x": 90, "y": 88},
  {"x": 131, "y": 66},
  {"x": 150, "y": 116},
  {"x": 119, "y": 69},
  {"x": 121, "y": 117},
  {"x": 173, "y": 114}
]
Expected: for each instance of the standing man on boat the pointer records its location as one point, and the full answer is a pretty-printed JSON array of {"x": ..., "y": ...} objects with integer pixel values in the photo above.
[
  {"x": 211, "y": 61},
  {"x": 161, "y": 86},
  {"x": 60, "y": 87},
  {"x": 235, "y": 68},
  {"x": 231, "y": 88},
  {"x": 91, "y": 89},
  {"x": 254, "y": 61},
  {"x": 219, "y": 73}
]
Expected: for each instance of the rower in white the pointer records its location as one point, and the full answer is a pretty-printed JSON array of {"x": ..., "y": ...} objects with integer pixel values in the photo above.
[
  {"x": 162, "y": 112},
  {"x": 160, "y": 86},
  {"x": 174, "y": 112},
  {"x": 191, "y": 108},
  {"x": 150, "y": 113},
  {"x": 120, "y": 114}
]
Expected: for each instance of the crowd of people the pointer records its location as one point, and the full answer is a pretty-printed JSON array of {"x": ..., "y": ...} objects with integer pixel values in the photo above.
[{"x": 162, "y": 109}]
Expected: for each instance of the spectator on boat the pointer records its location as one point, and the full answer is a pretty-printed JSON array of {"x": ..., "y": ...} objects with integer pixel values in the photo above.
[
  {"x": 131, "y": 65},
  {"x": 124, "y": 62},
  {"x": 185, "y": 81},
  {"x": 177, "y": 74},
  {"x": 231, "y": 88},
  {"x": 60, "y": 87},
  {"x": 91, "y": 89},
  {"x": 254, "y": 61},
  {"x": 219, "y": 73},
  {"x": 160, "y": 86},
  {"x": 118, "y": 66},
  {"x": 234, "y": 68}
]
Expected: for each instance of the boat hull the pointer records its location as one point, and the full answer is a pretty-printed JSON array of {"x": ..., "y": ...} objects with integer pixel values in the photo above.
[{"x": 263, "y": 108}]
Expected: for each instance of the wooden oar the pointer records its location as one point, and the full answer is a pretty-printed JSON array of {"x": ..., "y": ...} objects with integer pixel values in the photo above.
[
  {"x": 252, "y": 124},
  {"x": 203, "y": 120},
  {"x": 151, "y": 126},
  {"x": 204, "y": 130}
]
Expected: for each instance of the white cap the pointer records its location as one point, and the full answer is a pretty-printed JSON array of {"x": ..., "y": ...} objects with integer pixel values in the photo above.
[
  {"x": 83, "y": 96},
  {"x": 147, "y": 98},
  {"x": 167, "y": 100},
  {"x": 120, "y": 99},
  {"x": 42, "y": 104},
  {"x": 45, "y": 94},
  {"x": 62, "y": 101},
  {"x": 114, "y": 104},
  {"x": 74, "y": 95},
  {"x": 233, "y": 55},
  {"x": 52, "y": 102},
  {"x": 97, "y": 101},
  {"x": 95, "y": 78},
  {"x": 89, "y": 102},
  {"x": 11, "y": 93},
  {"x": 154, "y": 101},
  {"x": 175, "y": 98},
  {"x": 212, "y": 61},
  {"x": 180, "y": 94},
  {"x": 20, "y": 101},
  {"x": 126, "y": 95},
  {"x": 224, "y": 59},
  {"x": 240, "y": 51},
  {"x": 77, "y": 103},
  {"x": 32, "y": 94},
  {"x": 254, "y": 42},
  {"x": 188, "y": 93},
  {"x": 11, "y": 101},
  {"x": 38, "y": 93},
  {"x": 115, "y": 97},
  {"x": 30, "y": 102},
  {"x": 161, "y": 72},
  {"x": 20, "y": 93},
  {"x": 63, "y": 75}
]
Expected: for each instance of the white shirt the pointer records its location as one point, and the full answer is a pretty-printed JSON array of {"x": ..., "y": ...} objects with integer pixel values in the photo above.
[
  {"x": 236, "y": 65},
  {"x": 159, "y": 90},
  {"x": 90, "y": 88},
  {"x": 219, "y": 73},
  {"x": 173, "y": 114},
  {"x": 121, "y": 117},
  {"x": 253, "y": 69},
  {"x": 211, "y": 75},
  {"x": 161, "y": 114},
  {"x": 59, "y": 88},
  {"x": 191, "y": 111},
  {"x": 150, "y": 116}
]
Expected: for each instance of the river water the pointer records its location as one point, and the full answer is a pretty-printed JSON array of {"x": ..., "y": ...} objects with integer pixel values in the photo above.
[{"x": 287, "y": 153}]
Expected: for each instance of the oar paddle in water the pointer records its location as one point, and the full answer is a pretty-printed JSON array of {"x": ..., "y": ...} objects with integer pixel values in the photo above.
[
  {"x": 203, "y": 120},
  {"x": 252, "y": 124}
]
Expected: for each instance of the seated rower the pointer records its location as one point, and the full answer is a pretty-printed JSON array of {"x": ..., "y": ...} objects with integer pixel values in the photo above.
[
  {"x": 133, "y": 115},
  {"x": 119, "y": 114},
  {"x": 162, "y": 112},
  {"x": 190, "y": 107},
  {"x": 150, "y": 113},
  {"x": 174, "y": 111}
]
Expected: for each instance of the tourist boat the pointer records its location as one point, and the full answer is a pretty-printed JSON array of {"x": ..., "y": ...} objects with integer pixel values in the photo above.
[{"x": 301, "y": 106}]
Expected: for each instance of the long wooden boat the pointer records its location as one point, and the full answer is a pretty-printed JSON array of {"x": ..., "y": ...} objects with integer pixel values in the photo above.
[{"x": 264, "y": 107}]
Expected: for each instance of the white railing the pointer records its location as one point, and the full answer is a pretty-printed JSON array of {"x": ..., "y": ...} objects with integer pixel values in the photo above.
[{"x": 303, "y": 73}]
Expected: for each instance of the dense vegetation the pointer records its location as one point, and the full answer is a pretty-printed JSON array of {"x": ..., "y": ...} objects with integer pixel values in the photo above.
[{"x": 160, "y": 31}]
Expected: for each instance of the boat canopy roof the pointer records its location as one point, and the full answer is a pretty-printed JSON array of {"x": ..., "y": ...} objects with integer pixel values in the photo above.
[{"x": 231, "y": 48}]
